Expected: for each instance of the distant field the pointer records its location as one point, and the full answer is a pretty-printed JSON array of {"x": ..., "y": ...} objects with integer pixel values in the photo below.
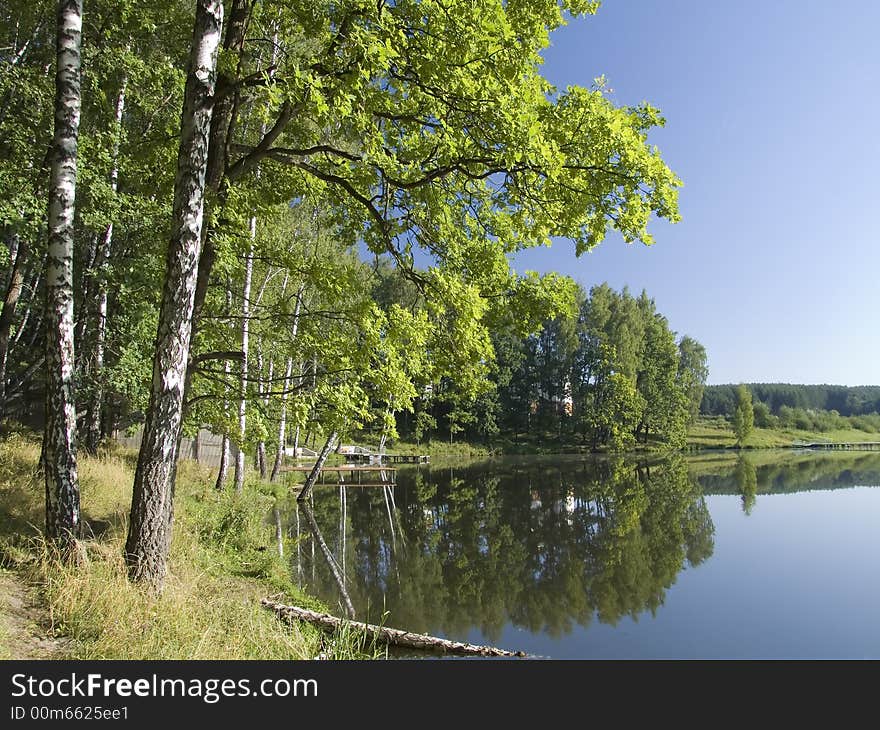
[{"x": 715, "y": 433}]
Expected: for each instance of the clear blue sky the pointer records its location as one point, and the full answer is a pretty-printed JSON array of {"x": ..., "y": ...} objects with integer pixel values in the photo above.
[{"x": 773, "y": 123}]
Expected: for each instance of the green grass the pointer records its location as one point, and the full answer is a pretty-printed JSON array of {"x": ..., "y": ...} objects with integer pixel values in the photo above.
[
  {"x": 716, "y": 433},
  {"x": 223, "y": 560},
  {"x": 434, "y": 447}
]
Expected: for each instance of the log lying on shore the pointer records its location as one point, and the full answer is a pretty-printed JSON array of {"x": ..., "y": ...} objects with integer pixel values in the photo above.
[{"x": 396, "y": 637}]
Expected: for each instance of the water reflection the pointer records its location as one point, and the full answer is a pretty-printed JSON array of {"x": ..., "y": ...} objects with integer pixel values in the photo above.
[
  {"x": 747, "y": 482},
  {"x": 768, "y": 472},
  {"x": 542, "y": 546}
]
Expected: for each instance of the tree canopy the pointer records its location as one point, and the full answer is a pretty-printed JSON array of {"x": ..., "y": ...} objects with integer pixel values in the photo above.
[{"x": 419, "y": 133}]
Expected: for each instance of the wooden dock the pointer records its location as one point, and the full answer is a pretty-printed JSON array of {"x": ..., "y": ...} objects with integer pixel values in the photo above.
[
  {"x": 838, "y": 446},
  {"x": 356, "y": 474},
  {"x": 360, "y": 458}
]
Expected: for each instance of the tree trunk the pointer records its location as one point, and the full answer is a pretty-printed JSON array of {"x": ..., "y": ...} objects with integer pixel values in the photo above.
[
  {"x": 288, "y": 373},
  {"x": 261, "y": 459},
  {"x": 316, "y": 469},
  {"x": 59, "y": 442},
  {"x": 279, "y": 532},
  {"x": 331, "y": 561},
  {"x": 7, "y": 315},
  {"x": 84, "y": 288},
  {"x": 218, "y": 150},
  {"x": 149, "y": 535},
  {"x": 261, "y": 446},
  {"x": 22, "y": 327},
  {"x": 102, "y": 260},
  {"x": 385, "y": 634},
  {"x": 223, "y": 471},
  {"x": 260, "y": 455},
  {"x": 282, "y": 423},
  {"x": 245, "y": 336}
]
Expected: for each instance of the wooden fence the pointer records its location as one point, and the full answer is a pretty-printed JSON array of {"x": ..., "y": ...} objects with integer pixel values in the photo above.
[{"x": 204, "y": 448}]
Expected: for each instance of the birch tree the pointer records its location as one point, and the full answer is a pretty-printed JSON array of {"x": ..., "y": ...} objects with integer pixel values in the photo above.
[
  {"x": 419, "y": 126},
  {"x": 101, "y": 264},
  {"x": 149, "y": 536},
  {"x": 63, "y": 523},
  {"x": 245, "y": 361}
]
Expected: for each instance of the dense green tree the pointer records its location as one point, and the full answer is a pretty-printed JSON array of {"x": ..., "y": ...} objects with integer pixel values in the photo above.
[
  {"x": 693, "y": 370},
  {"x": 848, "y": 401},
  {"x": 743, "y": 415},
  {"x": 763, "y": 417},
  {"x": 414, "y": 128},
  {"x": 665, "y": 403}
]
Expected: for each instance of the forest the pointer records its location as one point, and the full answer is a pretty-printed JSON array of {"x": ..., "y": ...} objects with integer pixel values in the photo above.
[
  {"x": 608, "y": 375},
  {"x": 274, "y": 219},
  {"x": 806, "y": 407}
]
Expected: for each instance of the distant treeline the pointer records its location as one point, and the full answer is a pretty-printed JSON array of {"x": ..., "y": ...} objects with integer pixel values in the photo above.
[
  {"x": 719, "y": 400},
  {"x": 606, "y": 374}
]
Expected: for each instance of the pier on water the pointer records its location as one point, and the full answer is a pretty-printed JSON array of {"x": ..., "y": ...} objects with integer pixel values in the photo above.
[
  {"x": 837, "y": 445},
  {"x": 362, "y": 455},
  {"x": 377, "y": 459},
  {"x": 363, "y": 468},
  {"x": 351, "y": 475}
]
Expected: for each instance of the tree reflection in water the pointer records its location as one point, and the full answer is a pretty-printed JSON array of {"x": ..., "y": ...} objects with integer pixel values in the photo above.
[{"x": 539, "y": 545}]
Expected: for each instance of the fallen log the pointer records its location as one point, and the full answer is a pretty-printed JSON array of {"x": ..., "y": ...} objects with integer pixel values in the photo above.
[{"x": 397, "y": 637}]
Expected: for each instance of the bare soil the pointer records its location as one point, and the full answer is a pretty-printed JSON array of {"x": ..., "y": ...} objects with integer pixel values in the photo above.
[{"x": 25, "y": 631}]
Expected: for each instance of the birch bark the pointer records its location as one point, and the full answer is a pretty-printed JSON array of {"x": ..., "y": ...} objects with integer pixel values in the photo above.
[
  {"x": 149, "y": 536},
  {"x": 59, "y": 441}
]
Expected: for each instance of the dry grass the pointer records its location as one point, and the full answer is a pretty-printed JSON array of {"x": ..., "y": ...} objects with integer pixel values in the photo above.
[{"x": 222, "y": 562}]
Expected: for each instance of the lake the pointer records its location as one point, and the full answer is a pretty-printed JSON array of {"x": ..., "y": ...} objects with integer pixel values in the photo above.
[{"x": 766, "y": 555}]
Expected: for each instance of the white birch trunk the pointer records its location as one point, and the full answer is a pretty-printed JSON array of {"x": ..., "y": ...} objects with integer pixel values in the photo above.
[
  {"x": 102, "y": 261},
  {"x": 245, "y": 337},
  {"x": 288, "y": 373},
  {"x": 149, "y": 536},
  {"x": 63, "y": 523}
]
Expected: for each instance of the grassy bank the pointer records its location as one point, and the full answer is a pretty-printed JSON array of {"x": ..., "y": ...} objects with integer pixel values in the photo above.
[
  {"x": 223, "y": 560},
  {"x": 433, "y": 448},
  {"x": 716, "y": 433}
]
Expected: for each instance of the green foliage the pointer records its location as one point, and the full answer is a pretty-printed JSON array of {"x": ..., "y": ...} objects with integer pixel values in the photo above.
[
  {"x": 747, "y": 482},
  {"x": 848, "y": 401},
  {"x": 398, "y": 144},
  {"x": 763, "y": 417},
  {"x": 743, "y": 415},
  {"x": 413, "y": 130},
  {"x": 629, "y": 372},
  {"x": 692, "y": 373},
  {"x": 604, "y": 376}
]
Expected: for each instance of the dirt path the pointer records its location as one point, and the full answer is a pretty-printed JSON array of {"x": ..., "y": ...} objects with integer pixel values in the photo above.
[{"x": 24, "y": 623}]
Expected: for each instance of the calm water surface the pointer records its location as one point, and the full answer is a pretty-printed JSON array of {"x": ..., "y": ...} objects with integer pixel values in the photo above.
[{"x": 770, "y": 555}]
